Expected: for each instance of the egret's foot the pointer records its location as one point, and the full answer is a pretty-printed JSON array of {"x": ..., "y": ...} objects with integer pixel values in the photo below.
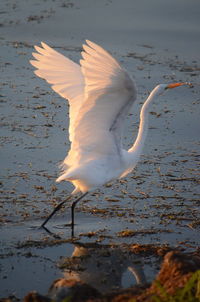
[
  {"x": 62, "y": 226},
  {"x": 70, "y": 225},
  {"x": 49, "y": 232}
]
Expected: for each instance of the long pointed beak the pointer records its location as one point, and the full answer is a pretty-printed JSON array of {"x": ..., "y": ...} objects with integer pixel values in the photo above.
[{"x": 174, "y": 85}]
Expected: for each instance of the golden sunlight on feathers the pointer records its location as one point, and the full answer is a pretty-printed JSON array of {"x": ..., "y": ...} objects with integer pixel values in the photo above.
[{"x": 100, "y": 94}]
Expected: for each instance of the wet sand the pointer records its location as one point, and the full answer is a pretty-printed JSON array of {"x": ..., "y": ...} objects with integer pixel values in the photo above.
[{"x": 159, "y": 202}]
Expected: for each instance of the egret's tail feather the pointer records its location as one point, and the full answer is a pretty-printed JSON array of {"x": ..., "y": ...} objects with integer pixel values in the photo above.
[
  {"x": 60, "y": 178},
  {"x": 64, "y": 171},
  {"x": 64, "y": 176},
  {"x": 68, "y": 177},
  {"x": 67, "y": 174}
]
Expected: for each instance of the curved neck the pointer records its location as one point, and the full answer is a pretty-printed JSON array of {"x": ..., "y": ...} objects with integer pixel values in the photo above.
[{"x": 137, "y": 147}]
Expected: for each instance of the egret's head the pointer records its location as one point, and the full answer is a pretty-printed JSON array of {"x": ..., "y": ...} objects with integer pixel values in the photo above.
[
  {"x": 174, "y": 85},
  {"x": 163, "y": 87}
]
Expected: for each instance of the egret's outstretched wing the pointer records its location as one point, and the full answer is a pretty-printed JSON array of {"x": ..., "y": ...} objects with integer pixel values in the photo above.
[
  {"x": 65, "y": 76},
  {"x": 109, "y": 94}
]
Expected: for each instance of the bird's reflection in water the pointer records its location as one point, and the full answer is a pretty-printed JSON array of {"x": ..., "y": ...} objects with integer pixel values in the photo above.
[{"x": 99, "y": 266}]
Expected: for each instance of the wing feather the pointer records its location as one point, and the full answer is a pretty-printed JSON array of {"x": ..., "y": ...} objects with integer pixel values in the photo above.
[
  {"x": 64, "y": 75},
  {"x": 109, "y": 94},
  {"x": 100, "y": 94}
]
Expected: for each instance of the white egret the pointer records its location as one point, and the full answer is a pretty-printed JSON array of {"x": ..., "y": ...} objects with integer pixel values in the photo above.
[{"x": 100, "y": 93}]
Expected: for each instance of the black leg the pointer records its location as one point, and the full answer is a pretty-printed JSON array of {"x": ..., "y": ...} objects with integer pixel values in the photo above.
[
  {"x": 72, "y": 211},
  {"x": 55, "y": 210},
  {"x": 73, "y": 207}
]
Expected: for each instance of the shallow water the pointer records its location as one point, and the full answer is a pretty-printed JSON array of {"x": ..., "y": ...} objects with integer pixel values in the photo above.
[
  {"x": 159, "y": 202},
  {"x": 106, "y": 267}
]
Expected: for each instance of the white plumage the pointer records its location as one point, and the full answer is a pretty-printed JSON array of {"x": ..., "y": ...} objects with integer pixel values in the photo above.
[{"x": 100, "y": 93}]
